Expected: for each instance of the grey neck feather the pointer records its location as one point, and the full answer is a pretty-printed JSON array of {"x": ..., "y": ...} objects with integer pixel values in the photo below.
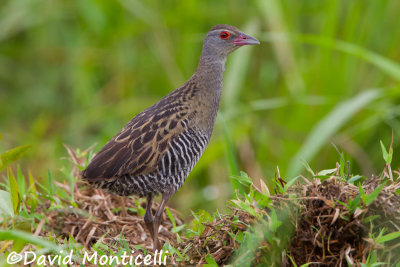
[
  {"x": 209, "y": 73},
  {"x": 208, "y": 78}
]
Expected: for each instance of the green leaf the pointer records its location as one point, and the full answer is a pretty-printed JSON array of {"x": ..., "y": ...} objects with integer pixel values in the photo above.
[
  {"x": 328, "y": 126},
  {"x": 384, "y": 152},
  {"x": 210, "y": 261},
  {"x": 342, "y": 166},
  {"x": 239, "y": 236},
  {"x": 14, "y": 191},
  {"x": 327, "y": 172},
  {"x": 355, "y": 178},
  {"x": 51, "y": 184},
  {"x": 263, "y": 201},
  {"x": 362, "y": 194},
  {"x": 353, "y": 203},
  {"x": 243, "y": 179},
  {"x": 32, "y": 192},
  {"x": 371, "y": 197},
  {"x": 12, "y": 155},
  {"x": 140, "y": 210},
  {"x": 178, "y": 229},
  {"x": 307, "y": 167},
  {"x": 246, "y": 207},
  {"x": 25, "y": 238},
  {"x": 390, "y": 154},
  {"x": 171, "y": 218},
  {"x": 6, "y": 204},
  {"x": 387, "y": 237},
  {"x": 279, "y": 187},
  {"x": 290, "y": 183},
  {"x": 21, "y": 182}
]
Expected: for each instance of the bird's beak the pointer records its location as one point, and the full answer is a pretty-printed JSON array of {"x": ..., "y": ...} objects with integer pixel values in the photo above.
[{"x": 244, "y": 39}]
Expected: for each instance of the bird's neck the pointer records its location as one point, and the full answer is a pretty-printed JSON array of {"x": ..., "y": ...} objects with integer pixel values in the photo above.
[
  {"x": 209, "y": 73},
  {"x": 208, "y": 82}
]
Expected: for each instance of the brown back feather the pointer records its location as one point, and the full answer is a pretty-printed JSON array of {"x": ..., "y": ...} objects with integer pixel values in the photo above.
[{"x": 137, "y": 148}]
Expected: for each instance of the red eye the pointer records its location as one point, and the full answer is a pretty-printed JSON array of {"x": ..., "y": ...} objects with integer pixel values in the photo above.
[{"x": 224, "y": 35}]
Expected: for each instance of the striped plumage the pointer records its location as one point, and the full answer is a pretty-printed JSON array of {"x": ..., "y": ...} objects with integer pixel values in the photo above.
[{"x": 155, "y": 152}]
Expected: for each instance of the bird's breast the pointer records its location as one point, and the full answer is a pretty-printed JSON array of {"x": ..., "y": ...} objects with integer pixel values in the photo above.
[{"x": 205, "y": 108}]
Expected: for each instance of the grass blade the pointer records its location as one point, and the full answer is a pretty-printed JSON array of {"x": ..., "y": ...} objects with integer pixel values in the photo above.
[
  {"x": 329, "y": 126},
  {"x": 12, "y": 155},
  {"x": 6, "y": 206},
  {"x": 14, "y": 191},
  {"x": 25, "y": 237},
  {"x": 374, "y": 194}
]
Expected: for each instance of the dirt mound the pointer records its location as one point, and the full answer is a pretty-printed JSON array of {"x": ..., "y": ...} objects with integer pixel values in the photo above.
[
  {"x": 109, "y": 218},
  {"x": 333, "y": 226}
]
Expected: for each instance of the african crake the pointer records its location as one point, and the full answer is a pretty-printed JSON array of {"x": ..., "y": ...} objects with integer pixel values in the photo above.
[{"x": 155, "y": 152}]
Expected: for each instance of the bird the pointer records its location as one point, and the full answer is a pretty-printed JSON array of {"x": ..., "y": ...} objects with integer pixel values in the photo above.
[{"x": 155, "y": 151}]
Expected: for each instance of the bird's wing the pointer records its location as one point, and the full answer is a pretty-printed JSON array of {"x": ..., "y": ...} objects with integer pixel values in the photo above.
[{"x": 137, "y": 148}]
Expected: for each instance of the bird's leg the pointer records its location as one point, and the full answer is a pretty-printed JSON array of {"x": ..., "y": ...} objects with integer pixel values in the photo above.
[
  {"x": 157, "y": 220},
  {"x": 148, "y": 215},
  {"x": 121, "y": 201}
]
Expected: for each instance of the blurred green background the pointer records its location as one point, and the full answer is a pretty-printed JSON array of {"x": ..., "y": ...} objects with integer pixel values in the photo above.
[{"x": 75, "y": 71}]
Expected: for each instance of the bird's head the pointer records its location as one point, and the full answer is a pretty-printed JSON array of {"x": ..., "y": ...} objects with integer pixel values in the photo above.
[{"x": 223, "y": 39}]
